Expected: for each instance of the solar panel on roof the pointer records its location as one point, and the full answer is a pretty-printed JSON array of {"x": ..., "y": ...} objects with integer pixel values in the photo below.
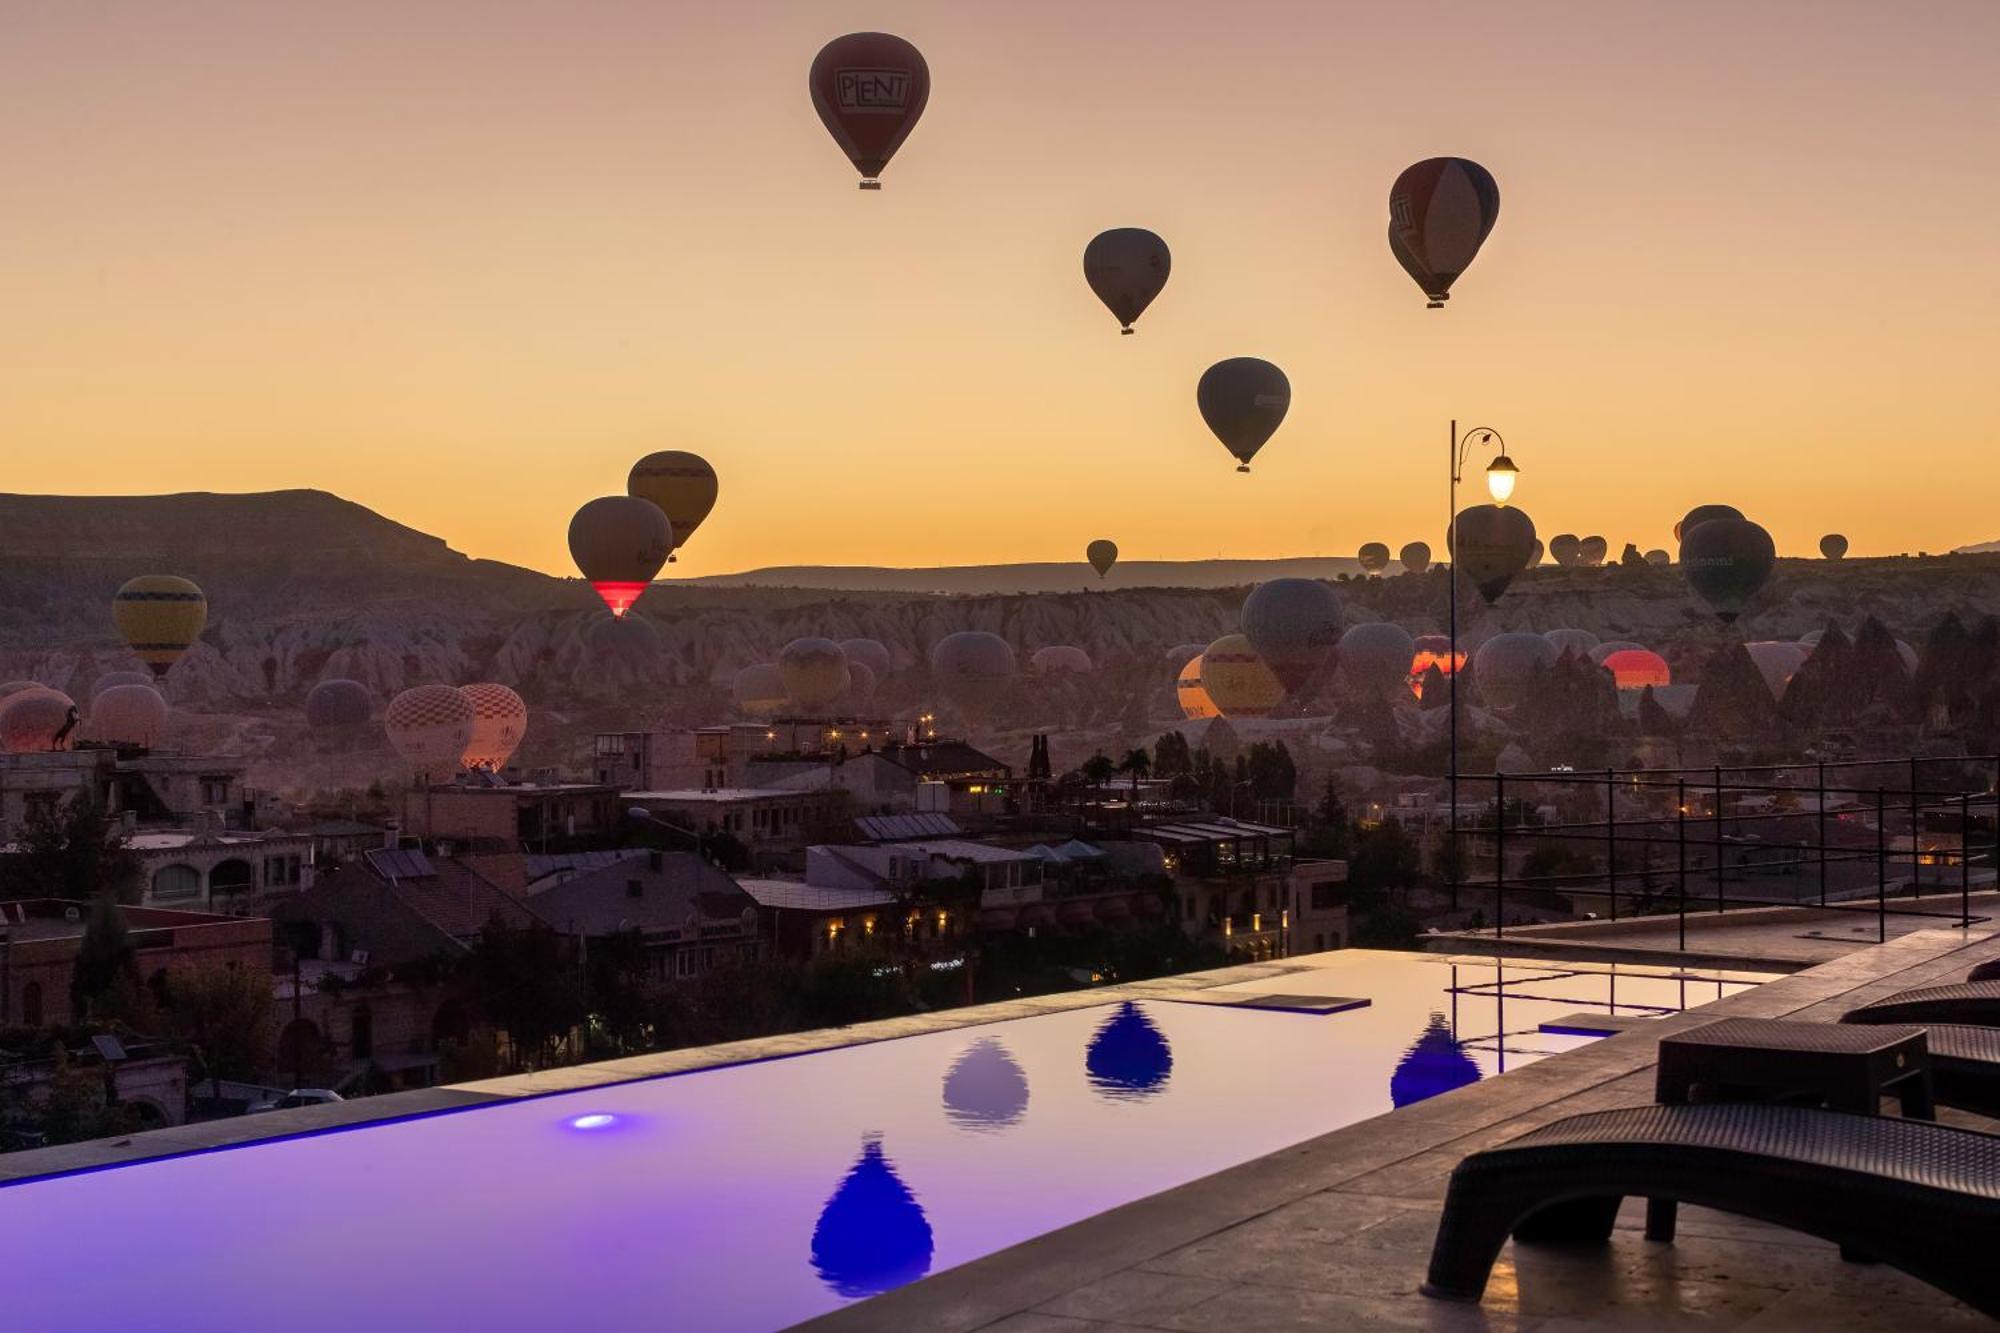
[{"x": 398, "y": 863}]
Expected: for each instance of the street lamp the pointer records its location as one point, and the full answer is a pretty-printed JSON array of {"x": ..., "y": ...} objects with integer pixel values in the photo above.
[{"x": 1501, "y": 474}]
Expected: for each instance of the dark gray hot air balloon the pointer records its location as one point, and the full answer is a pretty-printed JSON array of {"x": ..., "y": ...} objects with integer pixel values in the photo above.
[
  {"x": 1440, "y": 212},
  {"x": 1590, "y": 552},
  {"x": 1374, "y": 557},
  {"x": 1504, "y": 667},
  {"x": 1376, "y": 658},
  {"x": 1416, "y": 556},
  {"x": 1701, "y": 514},
  {"x": 1658, "y": 558},
  {"x": 1492, "y": 543},
  {"x": 1294, "y": 626},
  {"x": 1726, "y": 561},
  {"x": 869, "y": 89},
  {"x": 1102, "y": 554},
  {"x": 1243, "y": 400},
  {"x": 869, "y": 653},
  {"x": 974, "y": 669},
  {"x": 1535, "y": 556},
  {"x": 1126, "y": 267},
  {"x": 619, "y": 543},
  {"x": 1565, "y": 548},
  {"x": 338, "y": 703},
  {"x": 815, "y": 672},
  {"x": 1833, "y": 546}
]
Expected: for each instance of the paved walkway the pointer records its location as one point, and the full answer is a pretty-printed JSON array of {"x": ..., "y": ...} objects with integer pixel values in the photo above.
[{"x": 1335, "y": 1233}]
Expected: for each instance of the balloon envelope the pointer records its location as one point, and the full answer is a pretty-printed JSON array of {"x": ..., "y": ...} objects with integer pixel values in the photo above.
[
  {"x": 1576, "y": 642},
  {"x": 1243, "y": 400},
  {"x": 1658, "y": 558},
  {"x": 760, "y": 690},
  {"x": 1191, "y": 695},
  {"x": 430, "y": 726},
  {"x": 1727, "y": 561},
  {"x": 682, "y": 484},
  {"x": 619, "y": 543},
  {"x": 1701, "y": 514},
  {"x": 111, "y": 678},
  {"x": 869, "y": 89},
  {"x": 1590, "y": 552},
  {"x": 869, "y": 653},
  {"x": 1292, "y": 624},
  {"x": 1777, "y": 662},
  {"x": 1565, "y": 548},
  {"x": 1238, "y": 680},
  {"x": 1374, "y": 557},
  {"x": 1637, "y": 668},
  {"x": 1440, "y": 212},
  {"x": 1491, "y": 543},
  {"x": 1126, "y": 267},
  {"x": 1416, "y": 556},
  {"x": 1505, "y": 665},
  {"x": 338, "y": 702},
  {"x": 1060, "y": 660},
  {"x": 1434, "y": 650},
  {"x": 1833, "y": 546},
  {"x": 499, "y": 723},
  {"x": 37, "y": 719},
  {"x": 1377, "y": 656},
  {"x": 973, "y": 668},
  {"x": 1102, "y": 555},
  {"x": 127, "y": 715},
  {"x": 160, "y": 615},
  {"x": 814, "y": 671}
]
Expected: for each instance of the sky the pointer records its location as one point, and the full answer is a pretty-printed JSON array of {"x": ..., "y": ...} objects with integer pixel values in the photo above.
[{"x": 464, "y": 261}]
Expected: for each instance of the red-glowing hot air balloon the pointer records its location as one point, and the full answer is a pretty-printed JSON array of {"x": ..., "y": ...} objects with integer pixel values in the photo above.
[
  {"x": 1434, "y": 650},
  {"x": 869, "y": 89},
  {"x": 1440, "y": 212},
  {"x": 1637, "y": 668},
  {"x": 619, "y": 543},
  {"x": 37, "y": 719},
  {"x": 1126, "y": 267},
  {"x": 1243, "y": 400}
]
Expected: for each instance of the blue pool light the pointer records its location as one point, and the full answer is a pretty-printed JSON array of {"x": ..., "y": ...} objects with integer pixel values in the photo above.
[{"x": 595, "y": 1120}]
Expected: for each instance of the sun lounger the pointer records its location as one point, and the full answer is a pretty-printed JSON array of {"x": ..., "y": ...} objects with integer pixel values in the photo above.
[{"x": 1975, "y": 1002}]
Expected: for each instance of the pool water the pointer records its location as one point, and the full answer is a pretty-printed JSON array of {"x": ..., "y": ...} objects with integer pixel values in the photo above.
[{"x": 754, "y": 1196}]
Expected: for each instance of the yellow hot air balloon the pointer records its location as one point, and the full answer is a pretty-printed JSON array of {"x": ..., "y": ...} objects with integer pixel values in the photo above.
[
  {"x": 682, "y": 484},
  {"x": 1188, "y": 692},
  {"x": 1238, "y": 680},
  {"x": 160, "y": 615}
]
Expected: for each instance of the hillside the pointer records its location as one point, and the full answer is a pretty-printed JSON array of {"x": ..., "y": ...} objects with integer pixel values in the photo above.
[{"x": 1045, "y": 576}]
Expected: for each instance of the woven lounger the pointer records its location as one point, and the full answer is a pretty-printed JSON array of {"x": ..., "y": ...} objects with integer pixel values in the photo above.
[
  {"x": 1922, "y": 1197},
  {"x": 1975, "y": 1002},
  {"x": 1987, "y": 971},
  {"x": 1965, "y": 1067}
]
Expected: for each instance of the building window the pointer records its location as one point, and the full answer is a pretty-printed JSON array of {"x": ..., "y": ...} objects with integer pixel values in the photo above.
[
  {"x": 171, "y": 883},
  {"x": 215, "y": 791},
  {"x": 362, "y": 1036},
  {"x": 31, "y": 1004}
]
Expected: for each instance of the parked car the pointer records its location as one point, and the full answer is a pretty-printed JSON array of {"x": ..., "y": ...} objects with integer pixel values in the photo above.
[{"x": 296, "y": 1097}]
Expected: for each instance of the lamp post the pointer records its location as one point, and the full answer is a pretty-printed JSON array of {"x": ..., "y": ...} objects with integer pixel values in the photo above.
[{"x": 1501, "y": 474}]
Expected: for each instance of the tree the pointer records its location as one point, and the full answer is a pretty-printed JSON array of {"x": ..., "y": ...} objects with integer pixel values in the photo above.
[
  {"x": 1098, "y": 769},
  {"x": 1171, "y": 756},
  {"x": 1140, "y": 765},
  {"x": 525, "y": 983},
  {"x": 1328, "y": 835},
  {"x": 72, "y": 850},
  {"x": 103, "y": 957},
  {"x": 224, "y": 1012}
]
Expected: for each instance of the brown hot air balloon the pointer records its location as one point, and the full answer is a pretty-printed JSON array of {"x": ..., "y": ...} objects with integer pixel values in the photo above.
[
  {"x": 869, "y": 89},
  {"x": 1492, "y": 544},
  {"x": 1440, "y": 212}
]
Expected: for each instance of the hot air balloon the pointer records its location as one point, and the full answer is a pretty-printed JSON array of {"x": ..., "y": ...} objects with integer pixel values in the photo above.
[
  {"x": 114, "y": 678},
  {"x": 985, "y": 1090},
  {"x": 1565, "y": 548},
  {"x": 499, "y": 722},
  {"x": 1833, "y": 546},
  {"x": 1434, "y": 650},
  {"x": 1610, "y": 646},
  {"x": 869, "y": 653},
  {"x": 1243, "y": 400},
  {"x": 13, "y": 687},
  {"x": 1238, "y": 680},
  {"x": 1535, "y": 556},
  {"x": 1576, "y": 642},
  {"x": 1060, "y": 660},
  {"x": 1416, "y": 556},
  {"x": 1102, "y": 555},
  {"x": 1440, "y": 212},
  {"x": 760, "y": 690},
  {"x": 37, "y": 720},
  {"x": 860, "y": 696},
  {"x": 1777, "y": 662},
  {"x": 1435, "y": 1063},
  {"x": 1637, "y": 668},
  {"x": 628, "y": 641},
  {"x": 430, "y": 726},
  {"x": 1190, "y": 694},
  {"x": 1908, "y": 655},
  {"x": 1180, "y": 652},
  {"x": 869, "y": 89},
  {"x": 1658, "y": 558},
  {"x": 872, "y": 1234},
  {"x": 1590, "y": 552},
  {"x": 1293, "y": 625},
  {"x": 1701, "y": 514},
  {"x": 1126, "y": 267},
  {"x": 1373, "y": 557},
  {"x": 1376, "y": 657},
  {"x": 974, "y": 669},
  {"x": 682, "y": 484},
  {"x": 127, "y": 715},
  {"x": 338, "y": 703},
  {"x": 619, "y": 543},
  {"x": 814, "y": 671},
  {"x": 1128, "y": 1058},
  {"x": 1492, "y": 543},
  {"x": 1726, "y": 561},
  {"x": 160, "y": 615},
  {"x": 1505, "y": 667}
]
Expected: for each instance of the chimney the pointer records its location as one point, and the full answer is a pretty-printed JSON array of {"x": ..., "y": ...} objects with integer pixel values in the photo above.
[{"x": 392, "y": 835}]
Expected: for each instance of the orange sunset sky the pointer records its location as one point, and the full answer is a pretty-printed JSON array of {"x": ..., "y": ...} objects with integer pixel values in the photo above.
[{"x": 464, "y": 261}]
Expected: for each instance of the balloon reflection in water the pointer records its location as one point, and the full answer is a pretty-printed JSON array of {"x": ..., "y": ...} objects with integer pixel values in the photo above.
[
  {"x": 1129, "y": 1057},
  {"x": 872, "y": 1235},
  {"x": 985, "y": 1091},
  {"x": 1434, "y": 1063}
]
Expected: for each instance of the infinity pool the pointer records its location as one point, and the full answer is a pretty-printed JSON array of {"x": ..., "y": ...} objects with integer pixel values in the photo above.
[{"x": 754, "y": 1196}]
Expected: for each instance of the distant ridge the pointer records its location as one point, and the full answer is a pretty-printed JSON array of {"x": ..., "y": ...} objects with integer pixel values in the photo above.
[{"x": 1035, "y": 577}]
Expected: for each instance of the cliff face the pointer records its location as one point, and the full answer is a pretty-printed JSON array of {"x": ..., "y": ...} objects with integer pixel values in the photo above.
[{"x": 304, "y": 585}]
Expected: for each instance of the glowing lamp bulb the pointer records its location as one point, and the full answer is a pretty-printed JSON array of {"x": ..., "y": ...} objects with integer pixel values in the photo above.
[{"x": 1500, "y": 477}]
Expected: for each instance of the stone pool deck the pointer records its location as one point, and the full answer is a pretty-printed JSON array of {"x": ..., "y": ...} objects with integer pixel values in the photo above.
[{"x": 1335, "y": 1233}]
